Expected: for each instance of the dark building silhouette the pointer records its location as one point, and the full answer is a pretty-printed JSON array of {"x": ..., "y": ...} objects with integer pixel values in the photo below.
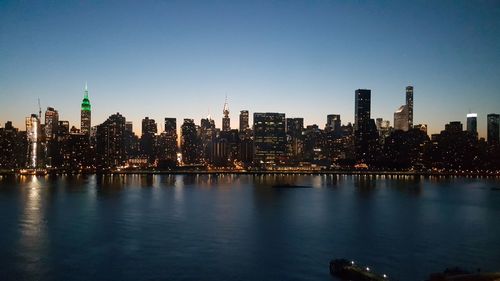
[
  {"x": 295, "y": 140},
  {"x": 269, "y": 138},
  {"x": 110, "y": 142},
  {"x": 148, "y": 139},
  {"x": 365, "y": 130},
  {"x": 13, "y": 147},
  {"x": 169, "y": 140},
  {"x": 190, "y": 143},
  {"x": 493, "y": 128}
]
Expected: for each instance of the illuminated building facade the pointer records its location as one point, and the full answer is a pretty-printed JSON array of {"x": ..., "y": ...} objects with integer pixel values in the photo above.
[
  {"x": 409, "y": 104},
  {"x": 226, "y": 121},
  {"x": 51, "y": 122},
  {"x": 85, "y": 113},
  {"x": 269, "y": 138},
  {"x": 472, "y": 123},
  {"x": 33, "y": 136}
]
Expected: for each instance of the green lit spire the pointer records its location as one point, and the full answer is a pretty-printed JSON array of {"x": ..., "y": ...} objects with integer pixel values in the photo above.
[{"x": 86, "y": 101}]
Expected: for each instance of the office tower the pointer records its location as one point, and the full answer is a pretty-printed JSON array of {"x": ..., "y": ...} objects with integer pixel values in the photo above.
[
  {"x": 149, "y": 130},
  {"x": 226, "y": 122},
  {"x": 333, "y": 123},
  {"x": 365, "y": 130},
  {"x": 51, "y": 122},
  {"x": 409, "y": 104},
  {"x": 493, "y": 128},
  {"x": 472, "y": 123},
  {"x": 171, "y": 138},
  {"x": 33, "y": 135},
  {"x": 207, "y": 135},
  {"x": 149, "y": 126},
  {"x": 110, "y": 142},
  {"x": 190, "y": 143},
  {"x": 269, "y": 138},
  {"x": 13, "y": 147},
  {"x": 362, "y": 109},
  {"x": 85, "y": 113},
  {"x": 244, "y": 120},
  {"x": 401, "y": 118}
]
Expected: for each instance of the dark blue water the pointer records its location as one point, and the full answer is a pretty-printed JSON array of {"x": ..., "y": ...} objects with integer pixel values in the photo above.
[{"x": 237, "y": 227}]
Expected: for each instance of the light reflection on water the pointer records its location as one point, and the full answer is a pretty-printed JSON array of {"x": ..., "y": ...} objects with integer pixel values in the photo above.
[{"x": 158, "y": 227}]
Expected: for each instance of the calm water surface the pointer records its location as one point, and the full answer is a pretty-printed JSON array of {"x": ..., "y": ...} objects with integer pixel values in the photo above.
[{"x": 237, "y": 227}]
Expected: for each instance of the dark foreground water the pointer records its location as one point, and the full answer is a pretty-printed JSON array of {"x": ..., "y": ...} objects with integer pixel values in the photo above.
[{"x": 237, "y": 227}]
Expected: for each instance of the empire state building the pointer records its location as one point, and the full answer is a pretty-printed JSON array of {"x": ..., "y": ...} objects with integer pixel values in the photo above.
[{"x": 85, "y": 112}]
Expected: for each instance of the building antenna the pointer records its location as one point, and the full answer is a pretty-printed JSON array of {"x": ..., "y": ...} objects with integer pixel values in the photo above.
[{"x": 39, "y": 110}]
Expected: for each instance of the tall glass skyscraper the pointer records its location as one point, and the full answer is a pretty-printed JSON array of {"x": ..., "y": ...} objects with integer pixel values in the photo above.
[
  {"x": 85, "y": 113},
  {"x": 409, "y": 104},
  {"x": 244, "y": 120},
  {"x": 472, "y": 123},
  {"x": 493, "y": 128},
  {"x": 33, "y": 134},
  {"x": 362, "y": 109}
]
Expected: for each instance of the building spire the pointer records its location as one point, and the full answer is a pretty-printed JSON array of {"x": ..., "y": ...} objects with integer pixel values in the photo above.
[{"x": 225, "y": 111}]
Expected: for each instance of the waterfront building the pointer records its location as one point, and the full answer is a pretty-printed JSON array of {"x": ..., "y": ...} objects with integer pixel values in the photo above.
[
  {"x": 85, "y": 113},
  {"x": 33, "y": 136},
  {"x": 110, "y": 142},
  {"x": 170, "y": 137},
  {"x": 190, "y": 143},
  {"x": 149, "y": 130},
  {"x": 269, "y": 138}
]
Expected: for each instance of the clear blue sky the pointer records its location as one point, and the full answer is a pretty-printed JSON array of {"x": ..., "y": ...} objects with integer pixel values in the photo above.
[{"x": 305, "y": 58}]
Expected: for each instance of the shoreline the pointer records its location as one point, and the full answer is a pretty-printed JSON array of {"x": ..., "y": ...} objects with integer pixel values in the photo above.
[{"x": 291, "y": 172}]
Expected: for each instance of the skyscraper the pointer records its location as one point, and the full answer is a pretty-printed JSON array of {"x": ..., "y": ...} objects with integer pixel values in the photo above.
[
  {"x": 51, "y": 122},
  {"x": 244, "y": 120},
  {"x": 226, "y": 122},
  {"x": 149, "y": 130},
  {"x": 190, "y": 143},
  {"x": 269, "y": 137},
  {"x": 85, "y": 113},
  {"x": 493, "y": 128},
  {"x": 472, "y": 123},
  {"x": 365, "y": 130},
  {"x": 110, "y": 142},
  {"x": 409, "y": 104},
  {"x": 33, "y": 134},
  {"x": 362, "y": 109},
  {"x": 401, "y": 118},
  {"x": 333, "y": 122}
]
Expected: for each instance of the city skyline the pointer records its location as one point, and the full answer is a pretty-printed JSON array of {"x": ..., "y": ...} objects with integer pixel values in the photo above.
[
  {"x": 163, "y": 59},
  {"x": 234, "y": 120}
]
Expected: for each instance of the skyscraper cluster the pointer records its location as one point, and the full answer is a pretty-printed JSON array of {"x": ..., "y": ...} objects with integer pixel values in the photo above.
[{"x": 273, "y": 142}]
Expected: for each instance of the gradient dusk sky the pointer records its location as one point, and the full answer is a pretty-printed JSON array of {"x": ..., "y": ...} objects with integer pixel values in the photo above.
[{"x": 304, "y": 58}]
